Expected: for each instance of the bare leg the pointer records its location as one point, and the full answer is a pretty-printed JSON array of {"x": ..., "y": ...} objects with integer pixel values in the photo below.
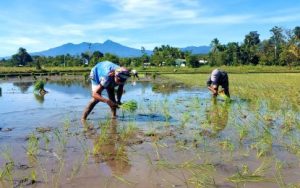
[
  {"x": 111, "y": 96},
  {"x": 89, "y": 108}
]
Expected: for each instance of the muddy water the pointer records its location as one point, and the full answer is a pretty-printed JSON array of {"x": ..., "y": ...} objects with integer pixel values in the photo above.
[{"x": 178, "y": 137}]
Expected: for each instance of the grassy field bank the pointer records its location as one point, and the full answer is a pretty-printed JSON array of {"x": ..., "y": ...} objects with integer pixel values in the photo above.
[
  {"x": 16, "y": 71},
  {"x": 277, "y": 88}
]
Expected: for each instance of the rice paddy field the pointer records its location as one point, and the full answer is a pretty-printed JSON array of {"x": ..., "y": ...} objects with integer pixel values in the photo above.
[{"x": 170, "y": 133}]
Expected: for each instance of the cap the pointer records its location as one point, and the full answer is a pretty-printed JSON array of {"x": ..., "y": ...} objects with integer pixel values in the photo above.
[{"x": 123, "y": 73}]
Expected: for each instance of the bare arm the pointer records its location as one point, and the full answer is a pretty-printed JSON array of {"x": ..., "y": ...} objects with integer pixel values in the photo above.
[
  {"x": 213, "y": 89},
  {"x": 97, "y": 94}
]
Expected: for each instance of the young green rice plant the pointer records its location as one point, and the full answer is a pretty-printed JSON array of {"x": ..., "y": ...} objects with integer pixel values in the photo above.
[
  {"x": 85, "y": 149},
  {"x": 6, "y": 172},
  {"x": 185, "y": 118},
  {"x": 243, "y": 131},
  {"x": 128, "y": 132},
  {"x": 42, "y": 170},
  {"x": 200, "y": 173},
  {"x": 61, "y": 139},
  {"x": 123, "y": 180},
  {"x": 196, "y": 103},
  {"x": 245, "y": 175},
  {"x": 165, "y": 110},
  {"x": 32, "y": 145},
  {"x": 57, "y": 177},
  {"x": 39, "y": 86},
  {"x": 264, "y": 144},
  {"x": 201, "y": 179},
  {"x": 33, "y": 176},
  {"x": 289, "y": 121},
  {"x": 75, "y": 169},
  {"x": 46, "y": 140},
  {"x": 278, "y": 174},
  {"x": 227, "y": 145},
  {"x": 67, "y": 124},
  {"x": 102, "y": 138},
  {"x": 130, "y": 106}
]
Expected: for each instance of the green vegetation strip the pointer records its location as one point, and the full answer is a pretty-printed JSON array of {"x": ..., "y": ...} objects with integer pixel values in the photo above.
[{"x": 28, "y": 71}]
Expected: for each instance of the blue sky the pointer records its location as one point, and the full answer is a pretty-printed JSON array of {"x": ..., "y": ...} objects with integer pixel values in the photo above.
[{"x": 42, "y": 24}]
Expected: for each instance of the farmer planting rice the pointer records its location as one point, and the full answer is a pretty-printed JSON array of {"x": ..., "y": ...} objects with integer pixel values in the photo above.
[
  {"x": 106, "y": 76},
  {"x": 217, "y": 78}
]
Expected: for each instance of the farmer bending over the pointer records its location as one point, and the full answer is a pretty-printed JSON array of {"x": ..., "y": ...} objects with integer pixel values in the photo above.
[
  {"x": 218, "y": 77},
  {"x": 106, "y": 75},
  {"x": 134, "y": 73}
]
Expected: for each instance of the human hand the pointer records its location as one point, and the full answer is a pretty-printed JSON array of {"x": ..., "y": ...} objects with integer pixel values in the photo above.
[{"x": 111, "y": 104}]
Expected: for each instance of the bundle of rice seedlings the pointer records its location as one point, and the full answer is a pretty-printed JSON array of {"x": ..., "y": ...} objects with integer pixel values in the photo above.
[
  {"x": 130, "y": 106},
  {"x": 39, "y": 86}
]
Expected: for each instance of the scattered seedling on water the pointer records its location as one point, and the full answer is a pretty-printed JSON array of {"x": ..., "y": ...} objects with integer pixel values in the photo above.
[
  {"x": 32, "y": 145},
  {"x": 245, "y": 175},
  {"x": 39, "y": 86},
  {"x": 165, "y": 109}
]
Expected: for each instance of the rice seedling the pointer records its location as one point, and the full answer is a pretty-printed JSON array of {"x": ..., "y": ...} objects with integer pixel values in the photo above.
[
  {"x": 245, "y": 175},
  {"x": 6, "y": 172},
  {"x": 227, "y": 145},
  {"x": 61, "y": 139},
  {"x": 46, "y": 140},
  {"x": 67, "y": 124},
  {"x": 39, "y": 86},
  {"x": 123, "y": 180},
  {"x": 200, "y": 173},
  {"x": 264, "y": 144},
  {"x": 75, "y": 169},
  {"x": 185, "y": 118},
  {"x": 128, "y": 132},
  {"x": 278, "y": 174},
  {"x": 165, "y": 110},
  {"x": 129, "y": 106},
  {"x": 32, "y": 145},
  {"x": 243, "y": 131}
]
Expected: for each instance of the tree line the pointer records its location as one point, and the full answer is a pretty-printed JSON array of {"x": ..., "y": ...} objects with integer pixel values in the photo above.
[{"x": 282, "y": 48}]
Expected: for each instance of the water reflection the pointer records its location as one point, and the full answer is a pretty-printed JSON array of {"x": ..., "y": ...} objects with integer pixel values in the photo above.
[
  {"x": 217, "y": 114},
  {"x": 23, "y": 86},
  {"x": 110, "y": 148},
  {"x": 166, "y": 88},
  {"x": 39, "y": 97}
]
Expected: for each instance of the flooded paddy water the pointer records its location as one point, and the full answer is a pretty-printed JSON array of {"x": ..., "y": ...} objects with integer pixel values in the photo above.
[{"x": 178, "y": 137}]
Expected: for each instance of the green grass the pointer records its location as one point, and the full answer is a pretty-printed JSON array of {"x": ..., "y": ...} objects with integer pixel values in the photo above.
[
  {"x": 230, "y": 69},
  {"x": 279, "y": 89},
  {"x": 161, "y": 70}
]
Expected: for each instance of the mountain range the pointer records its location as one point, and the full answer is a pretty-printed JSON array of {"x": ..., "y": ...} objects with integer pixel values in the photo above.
[{"x": 108, "y": 47}]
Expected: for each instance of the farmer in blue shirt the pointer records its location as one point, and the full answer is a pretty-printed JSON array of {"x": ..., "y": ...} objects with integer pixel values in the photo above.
[
  {"x": 217, "y": 78},
  {"x": 106, "y": 75}
]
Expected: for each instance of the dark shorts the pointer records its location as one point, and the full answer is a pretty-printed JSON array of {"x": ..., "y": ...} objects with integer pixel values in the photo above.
[{"x": 225, "y": 83}]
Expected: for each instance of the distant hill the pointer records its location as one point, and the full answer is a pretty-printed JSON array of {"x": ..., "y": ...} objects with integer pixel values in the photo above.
[
  {"x": 108, "y": 47},
  {"x": 197, "y": 50}
]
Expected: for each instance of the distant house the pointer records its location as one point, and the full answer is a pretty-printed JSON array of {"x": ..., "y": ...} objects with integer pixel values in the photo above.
[
  {"x": 146, "y": 64},
  {"x": 180, "y": 62},
  {"x": 203, "y": 61}
]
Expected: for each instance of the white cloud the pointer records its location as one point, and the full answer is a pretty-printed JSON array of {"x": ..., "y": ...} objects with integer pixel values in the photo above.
[
  {"x": 63, "y": 30},
  {"x": 21, "y": 41},
  {"x": 277, "y": 19}
]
